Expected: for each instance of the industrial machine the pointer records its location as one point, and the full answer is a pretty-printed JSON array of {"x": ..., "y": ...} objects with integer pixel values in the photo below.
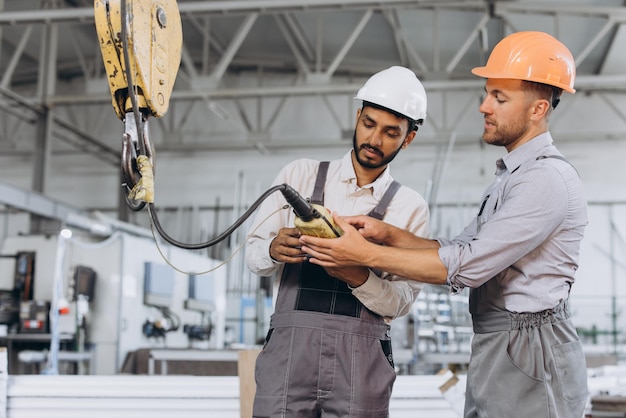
[
  {"x": 112, "y": 294},
  {"x": 141, "y": 43}
]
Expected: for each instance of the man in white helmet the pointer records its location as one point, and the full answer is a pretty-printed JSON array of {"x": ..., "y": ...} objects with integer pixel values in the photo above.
[{"x": 328, "y": 350}]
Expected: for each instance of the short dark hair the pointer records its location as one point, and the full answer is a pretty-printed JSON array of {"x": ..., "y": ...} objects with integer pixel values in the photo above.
[
  {"x": 544, "y": 91},
  {"x": 413, "y": 124}
]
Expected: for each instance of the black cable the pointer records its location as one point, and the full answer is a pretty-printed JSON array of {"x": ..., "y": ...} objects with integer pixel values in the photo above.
[
  {"x": 129, "y": 77},
  {"x": 301, "y": 207},
  {"x": 134, "y": 205},
  {"x": 286, "y": 189}
]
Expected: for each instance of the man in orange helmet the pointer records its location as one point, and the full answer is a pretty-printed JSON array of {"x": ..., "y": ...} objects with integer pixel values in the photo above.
[{"x": 518, "y": 256}]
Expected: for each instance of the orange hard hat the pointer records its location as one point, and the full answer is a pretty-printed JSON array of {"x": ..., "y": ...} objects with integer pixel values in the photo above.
[{"x": 531, "y": 56}]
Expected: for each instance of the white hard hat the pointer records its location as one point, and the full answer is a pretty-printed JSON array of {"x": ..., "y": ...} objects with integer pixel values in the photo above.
[{"x": 398, "y": 89}]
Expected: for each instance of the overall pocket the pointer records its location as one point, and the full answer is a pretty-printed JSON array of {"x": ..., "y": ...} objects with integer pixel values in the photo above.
[{"x": 571, "y": 371}]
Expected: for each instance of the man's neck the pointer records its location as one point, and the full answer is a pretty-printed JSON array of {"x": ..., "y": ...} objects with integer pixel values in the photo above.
[{"x": 365, "y": 175}]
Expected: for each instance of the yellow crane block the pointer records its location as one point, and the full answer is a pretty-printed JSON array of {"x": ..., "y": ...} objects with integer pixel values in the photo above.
[{"x": 154, "y": 43}]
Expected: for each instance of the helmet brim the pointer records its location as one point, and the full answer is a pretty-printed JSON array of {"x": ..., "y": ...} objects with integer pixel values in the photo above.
[{"x": 485, "y": 72}]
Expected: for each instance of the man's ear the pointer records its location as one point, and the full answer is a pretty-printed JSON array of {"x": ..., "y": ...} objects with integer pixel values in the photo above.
[
  {"x": 409, "y": 138},
  {"x": 540, "y": 109}
]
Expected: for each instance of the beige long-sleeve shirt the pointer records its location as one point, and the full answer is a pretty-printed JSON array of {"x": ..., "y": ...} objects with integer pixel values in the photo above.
[{"x": 388, "y": 295}]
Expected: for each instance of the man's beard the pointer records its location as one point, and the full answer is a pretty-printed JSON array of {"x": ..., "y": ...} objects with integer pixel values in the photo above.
[
  {"x": 505, "y": 135},
  {"x": 367, "y": 164}
]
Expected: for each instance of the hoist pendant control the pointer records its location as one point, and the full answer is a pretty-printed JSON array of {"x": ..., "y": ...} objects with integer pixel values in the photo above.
[
  {"x": 311, "y": 219},
  {"x": 321, "y": 225}
]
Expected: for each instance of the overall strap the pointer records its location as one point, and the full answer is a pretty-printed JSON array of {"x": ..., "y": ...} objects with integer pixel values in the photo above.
[
  {"x": 558, "y": 157},
  {"x": 379, "y": 211},
  {"x": 318, "y": 191}
]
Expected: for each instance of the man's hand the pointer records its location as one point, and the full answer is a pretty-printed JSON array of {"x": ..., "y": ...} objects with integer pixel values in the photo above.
[
  {"x": 353, "y": 276},
  {"x": 386, "y": 234},
  {"x": 348, "y": 250},
  {"x": 370, "y": 228},
  {"x": 383, "y": 233},
  {"x": 285, "y": 247},
  {"x": 418, "y": 260}
]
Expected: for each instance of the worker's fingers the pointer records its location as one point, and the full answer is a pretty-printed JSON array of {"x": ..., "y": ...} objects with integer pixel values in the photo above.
[
  {"x": 286, "y": 247},
  {"x": 370, "y": 228},
  {"x": 315, "y": 257},
  {"x": 289, "y": 232},
  {"x": 319, "y": 252},
  {"x": 286, "y": 254}
]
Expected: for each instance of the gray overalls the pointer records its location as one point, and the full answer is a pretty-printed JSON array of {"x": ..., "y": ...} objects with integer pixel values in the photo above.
[
  {"x": 325, "y": 355},
  {"x": 524, "y": 365}
]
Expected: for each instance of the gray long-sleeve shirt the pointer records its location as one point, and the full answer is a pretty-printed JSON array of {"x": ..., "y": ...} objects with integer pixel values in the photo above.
[{"x": 527, "y": 232}]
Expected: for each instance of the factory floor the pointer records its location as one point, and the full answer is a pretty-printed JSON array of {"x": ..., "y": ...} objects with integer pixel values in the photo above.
[{"x": 439, "y": 395}]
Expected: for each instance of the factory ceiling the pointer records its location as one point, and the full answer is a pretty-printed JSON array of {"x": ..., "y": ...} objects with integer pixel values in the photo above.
[{"x": 51, "y": 67}]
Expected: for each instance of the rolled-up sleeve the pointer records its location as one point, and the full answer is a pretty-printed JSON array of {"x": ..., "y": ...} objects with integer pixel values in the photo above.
[
  {"x": 517, "y": 219},
  {"x": 257, "y": 257},
  {"x": 269, "y": 219}
]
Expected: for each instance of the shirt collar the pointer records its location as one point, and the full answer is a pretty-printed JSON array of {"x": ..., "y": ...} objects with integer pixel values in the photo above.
[
  {"x": 528, "y": 151},
  {"x": 378, "y": 186}
]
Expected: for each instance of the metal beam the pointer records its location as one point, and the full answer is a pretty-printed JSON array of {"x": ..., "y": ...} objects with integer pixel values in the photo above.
[
  {"x": 594, "y": 42},
  {"x": 618, "y": 14},
  {"x": 583, "y": 83},
  {"x": 8, "y": 72},
  {"x": 35, "y": 203},
  {"x": 302, "y": 65},
  {"x": 230, "y": 7},
  {"x": 99, "y": 148},
  {"x": 70, "y": 216},
  {"x": 349, "y": 42},
  {"x": 465, "y": 140},
  {"x": 233, "y": 47},
  {"x": 468, "y": 42}
]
